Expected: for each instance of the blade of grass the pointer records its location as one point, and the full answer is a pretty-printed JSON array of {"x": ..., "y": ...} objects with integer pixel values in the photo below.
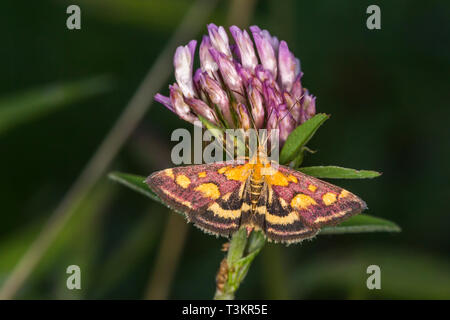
[
  {"x": 84, "y": 226},
  {"x": 32, "y": 104},
  {"x": 141, "y": 241},
  {"x": 169, "y": 255},
  {"x": 127, "y": 122},
  {"x": 83, "y": 221}
]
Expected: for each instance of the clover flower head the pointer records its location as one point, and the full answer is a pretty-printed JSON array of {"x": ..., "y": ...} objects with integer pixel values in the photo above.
[{"x": 245, "y": 84}]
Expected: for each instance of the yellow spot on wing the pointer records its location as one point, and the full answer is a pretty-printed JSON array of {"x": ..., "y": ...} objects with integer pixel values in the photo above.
[
  {"x": 169, "y": 173},
  {"x": 224, "y": 213},
  {"x": 183, "y": 181},
  {"x": 329, "y": 198},
  {"x": 289, "y": 233},
  {"x": 216, "y": 224},
  {"x": 312, "y": 188},
  {"x": 343, "y": 194},
  {"x": 209, "y": 190},
  {"x": 261, "y": 210},
  {"x": 223, "y": 169},
  {"x": 202, "y": 174},
  {"x": 274, "y": 219},
  {"x": 288, "y": 219},
  {"x": 270, "y": 194},
  {"x": 302, "y": 201},
  {"x": 292, "y": 178},
  {"x": 331, "y": 217},
  {"x": 277, "y": 179},
  {"x": 239, "y": 173},
  {"x": 283, "y": 203},
  {"x": 245, "y": 207},
  {"x": 177, "y": 199},
  {"x": 227, "y": 196}
]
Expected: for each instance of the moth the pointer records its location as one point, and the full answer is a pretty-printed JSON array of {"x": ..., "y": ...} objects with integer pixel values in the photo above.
[{"x": 287, "y": 205}]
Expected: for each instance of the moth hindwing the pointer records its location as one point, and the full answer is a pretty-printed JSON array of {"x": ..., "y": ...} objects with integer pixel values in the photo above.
[{"x": 287, "y": 205}]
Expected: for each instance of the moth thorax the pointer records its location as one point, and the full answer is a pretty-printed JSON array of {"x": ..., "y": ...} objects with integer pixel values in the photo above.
[
  {"x": 259, "y": 156},
  {"x": 262, "y": 156}
]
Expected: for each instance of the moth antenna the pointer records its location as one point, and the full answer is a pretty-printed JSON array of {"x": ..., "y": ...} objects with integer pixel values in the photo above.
[
  {"x": 258, "y": 142},
  {"x": 252, "y": 120},
  {"x": 279, "y": 121},
  {"x": 290, "y": 109},
  {"x": 224, "y": 146}
]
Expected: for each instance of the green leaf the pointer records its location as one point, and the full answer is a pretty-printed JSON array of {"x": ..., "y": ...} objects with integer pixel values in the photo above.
[
  {"x": 297, "y": 162},
  {"x": 362, "y": 223},
  {"x": 300, "y": 137},
  {"x": 29, "y": 105},
  {"x": 136, "y": 183},
  {"x": 334, "y": 172}
]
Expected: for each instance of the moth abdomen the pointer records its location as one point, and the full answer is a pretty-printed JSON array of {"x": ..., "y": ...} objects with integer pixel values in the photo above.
[{"x": 256, "y": 186}]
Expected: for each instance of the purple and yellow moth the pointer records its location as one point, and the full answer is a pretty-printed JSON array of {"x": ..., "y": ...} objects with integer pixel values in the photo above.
[{"x": 287, "y": 205}]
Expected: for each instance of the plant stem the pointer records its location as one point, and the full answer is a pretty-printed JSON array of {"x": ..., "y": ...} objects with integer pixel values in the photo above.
[
  {"x": 233, "y": 269},
  {"x": 168, "y": 257}
]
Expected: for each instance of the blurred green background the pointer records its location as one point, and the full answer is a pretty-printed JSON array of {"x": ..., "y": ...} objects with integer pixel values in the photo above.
[{"x": 61, "y": 92}]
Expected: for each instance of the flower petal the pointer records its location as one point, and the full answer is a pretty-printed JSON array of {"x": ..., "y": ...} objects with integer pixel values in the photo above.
[
  {"x": 272, "y": 96},
  {"x": 244, "y": 118},
  {"x": 245, "y": 48},
  {"x": 202, "y": 109},
  {"x": 265, "y": 51},
  {"x": 286, "y": 123},
  {"x": 217, "y": 96},
  {"x": 219, "y": 39},
  {"x": 207, "y": 62},
  {"x": 297, "y": 89},
  {"x": 180, "y": 107},
  {"x": 164, "y": 100},
  {"x": 183, "y": 63},
  {"x": 257, "y": 105},
  {"x": 272, "y": 40},
  {"x": 287, "y": 66},
  {"x": 294, "y": 106},
  {"x": 309, "y": 107},
  {"x": 229, "y": 73}
]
